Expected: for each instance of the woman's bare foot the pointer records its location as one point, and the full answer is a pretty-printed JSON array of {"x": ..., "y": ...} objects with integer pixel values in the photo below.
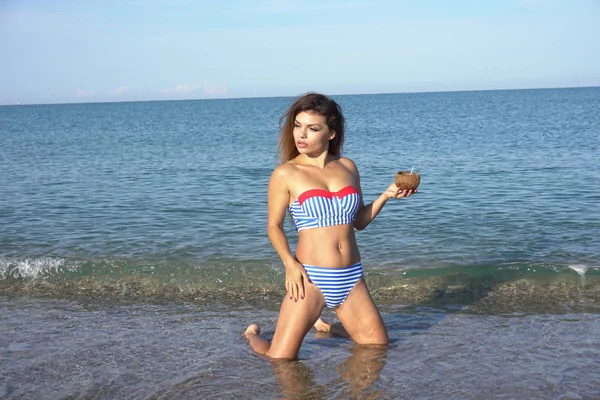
[
  {"x": 322, "y": 326},
  {"x": 334, "y": 329},
  {"x": 252, "y": 329},
  {"x": 258, "y": 344}
]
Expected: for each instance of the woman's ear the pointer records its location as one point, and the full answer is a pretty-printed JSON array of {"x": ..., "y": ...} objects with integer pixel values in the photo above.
[{"x": 331, "y": 135}]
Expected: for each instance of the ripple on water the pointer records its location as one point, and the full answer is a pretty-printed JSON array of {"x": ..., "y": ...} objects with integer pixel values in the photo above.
[{"x": 187, "y": 351}]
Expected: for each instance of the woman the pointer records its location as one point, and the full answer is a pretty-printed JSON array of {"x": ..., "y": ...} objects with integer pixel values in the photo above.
[{"x": 322, "y": 191}]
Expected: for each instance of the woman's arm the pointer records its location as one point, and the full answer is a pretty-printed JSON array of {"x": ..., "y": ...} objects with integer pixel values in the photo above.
[
  {"x": 366, "y": 214},
  {"x": 278, "y": 201}
]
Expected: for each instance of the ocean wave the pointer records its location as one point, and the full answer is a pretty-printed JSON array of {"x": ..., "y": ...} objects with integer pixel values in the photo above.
[
  {"x": 507, "y": 288},
  {"x": 29, "y": 268}
]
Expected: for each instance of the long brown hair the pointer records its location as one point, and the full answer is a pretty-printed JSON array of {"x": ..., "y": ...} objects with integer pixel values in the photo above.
[{"x": 319, "y": 104}]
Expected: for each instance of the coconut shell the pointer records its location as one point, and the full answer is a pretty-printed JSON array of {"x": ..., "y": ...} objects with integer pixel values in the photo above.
[{"x": 407, "y": 181}]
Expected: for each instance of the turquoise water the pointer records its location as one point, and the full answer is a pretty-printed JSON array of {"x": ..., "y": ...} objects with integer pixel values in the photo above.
[{"x": 113, "y": 215}]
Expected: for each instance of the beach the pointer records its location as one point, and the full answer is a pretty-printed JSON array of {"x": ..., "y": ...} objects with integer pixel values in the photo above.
[{"x": 133, "y": 249}]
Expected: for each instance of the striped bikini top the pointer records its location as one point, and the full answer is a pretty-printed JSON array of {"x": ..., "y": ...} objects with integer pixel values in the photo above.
[{"x": 318, "y": 208}]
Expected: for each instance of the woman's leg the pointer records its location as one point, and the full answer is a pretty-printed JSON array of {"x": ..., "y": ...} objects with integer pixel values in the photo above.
[
  {"x": 294, "y": 321},
  {"x": 335, "y": 329},
  {"x": 361, "y": 318},
  {"x": 258, "y": 344}
]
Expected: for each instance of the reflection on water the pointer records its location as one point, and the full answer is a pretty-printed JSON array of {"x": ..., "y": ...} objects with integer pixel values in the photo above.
[
  {"x": 361, "y": 370},
  {"x": 357, "y": 374},
  {"x": 297, "y": 380}
]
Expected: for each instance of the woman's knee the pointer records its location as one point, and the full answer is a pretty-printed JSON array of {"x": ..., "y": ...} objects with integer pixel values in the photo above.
[{"x": 379, "y": 339}]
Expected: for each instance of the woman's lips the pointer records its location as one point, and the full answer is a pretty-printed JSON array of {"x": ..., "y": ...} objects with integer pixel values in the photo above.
[{"x": 301, "y": 144}]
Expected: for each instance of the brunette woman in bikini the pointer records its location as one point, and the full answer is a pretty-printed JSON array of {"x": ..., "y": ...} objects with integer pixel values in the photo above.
[{"x": 322, "y": 191}]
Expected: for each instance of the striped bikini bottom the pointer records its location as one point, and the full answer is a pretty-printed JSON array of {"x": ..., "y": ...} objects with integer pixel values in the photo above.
[{"x": 335, "y": 283}]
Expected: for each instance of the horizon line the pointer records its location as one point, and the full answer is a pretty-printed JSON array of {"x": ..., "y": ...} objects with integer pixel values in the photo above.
[{"x": 300, "y": 94}]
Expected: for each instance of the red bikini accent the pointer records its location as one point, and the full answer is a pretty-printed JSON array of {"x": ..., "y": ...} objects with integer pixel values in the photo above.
[{"x": 326, "y": 193}]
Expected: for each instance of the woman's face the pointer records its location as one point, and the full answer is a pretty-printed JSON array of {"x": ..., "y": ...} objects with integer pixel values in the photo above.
[{"x": 311, "y": 133}]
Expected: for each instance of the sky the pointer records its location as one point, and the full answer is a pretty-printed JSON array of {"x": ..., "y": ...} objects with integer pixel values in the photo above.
[{"x": 72, "y": 51}]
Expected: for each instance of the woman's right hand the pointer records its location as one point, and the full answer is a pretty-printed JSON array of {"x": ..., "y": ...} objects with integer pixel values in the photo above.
[
  {"x": 393, "y": 192},
  {"x": 295, "y": 280}
]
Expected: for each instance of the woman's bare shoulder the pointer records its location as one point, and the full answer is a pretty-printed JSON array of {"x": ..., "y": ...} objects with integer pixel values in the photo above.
[
  {"x": 284, "y": 171},
  {"x": 348, "y": 163}
]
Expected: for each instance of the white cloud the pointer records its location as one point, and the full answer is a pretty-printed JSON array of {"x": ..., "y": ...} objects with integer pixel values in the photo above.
[
  {"x": 122, "y": 89},
  {"x": 189, "y": 88},
  {"x": 183, "y": 88},
  {"x": 80, "y": 93},
  {"x": 216, "y": 90}
]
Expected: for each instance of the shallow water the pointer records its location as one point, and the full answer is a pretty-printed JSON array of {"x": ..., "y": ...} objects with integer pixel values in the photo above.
[{"x": 58, "y": 349}]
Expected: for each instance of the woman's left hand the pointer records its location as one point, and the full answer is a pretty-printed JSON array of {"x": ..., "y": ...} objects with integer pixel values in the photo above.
[{"x": 393, "y": 192}]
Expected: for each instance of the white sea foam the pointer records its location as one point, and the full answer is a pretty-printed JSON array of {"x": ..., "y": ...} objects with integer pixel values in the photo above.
[
  {"x": 29, "y": 267},
  {"x": 579, "y": 268}
]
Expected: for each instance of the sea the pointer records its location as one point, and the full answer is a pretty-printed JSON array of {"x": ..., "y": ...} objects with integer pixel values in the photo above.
[{"x": 134, "y": 253}]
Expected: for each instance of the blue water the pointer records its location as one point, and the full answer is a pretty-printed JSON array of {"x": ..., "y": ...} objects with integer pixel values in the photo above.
[
  {"x": 133, "y": 249},
  {"x": 507, "y": 177}
]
